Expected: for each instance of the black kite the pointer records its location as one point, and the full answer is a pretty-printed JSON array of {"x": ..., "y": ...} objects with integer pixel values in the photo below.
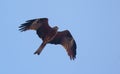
[{"x": 50, "y": 35}]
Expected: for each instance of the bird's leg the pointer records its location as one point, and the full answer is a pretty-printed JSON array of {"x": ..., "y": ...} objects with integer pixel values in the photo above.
[{"x": 38, "y": 51}]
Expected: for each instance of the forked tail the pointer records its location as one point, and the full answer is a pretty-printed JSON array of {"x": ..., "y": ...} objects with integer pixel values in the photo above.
[{"x": 39, "y": 50}]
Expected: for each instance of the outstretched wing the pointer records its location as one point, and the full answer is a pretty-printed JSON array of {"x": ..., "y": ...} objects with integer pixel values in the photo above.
[
  {"x": 69, "y": 44},
  {"x": 67, "y": 41},
  {"x": 33, "y": 24},
  {"x": 40, "y": 25}
]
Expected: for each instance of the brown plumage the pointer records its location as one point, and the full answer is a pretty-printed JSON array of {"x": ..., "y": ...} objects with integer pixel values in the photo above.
[{"x": 50, "y": 35}]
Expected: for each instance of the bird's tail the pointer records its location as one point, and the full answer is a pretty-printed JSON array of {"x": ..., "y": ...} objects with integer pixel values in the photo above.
[{"x": 39, "y": 50}]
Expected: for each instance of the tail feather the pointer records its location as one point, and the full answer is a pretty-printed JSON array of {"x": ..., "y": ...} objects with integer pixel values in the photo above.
[{"x": 39, "y": 50}]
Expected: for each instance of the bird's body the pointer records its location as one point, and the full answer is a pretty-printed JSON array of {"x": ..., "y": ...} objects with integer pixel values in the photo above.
[{"x": 51, "y": 35}]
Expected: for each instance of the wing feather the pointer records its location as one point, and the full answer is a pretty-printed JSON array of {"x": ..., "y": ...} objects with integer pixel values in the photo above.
[
  {"x": 69, "y": 44},
  {"x": 27, "y": 25},
  {"x": 67, "y": 41},
  {"x": 34, "y": 24}
]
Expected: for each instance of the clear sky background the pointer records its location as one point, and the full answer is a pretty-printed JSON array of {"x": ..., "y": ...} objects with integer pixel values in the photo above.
[{"x": 95, "y": 25}]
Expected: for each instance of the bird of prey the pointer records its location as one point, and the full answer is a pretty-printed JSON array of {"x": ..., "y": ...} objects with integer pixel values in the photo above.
[{"x": 50, "y": 35}]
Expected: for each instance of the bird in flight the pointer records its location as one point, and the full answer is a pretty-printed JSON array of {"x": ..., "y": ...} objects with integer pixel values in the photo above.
[{"x": 50, "y": 35}]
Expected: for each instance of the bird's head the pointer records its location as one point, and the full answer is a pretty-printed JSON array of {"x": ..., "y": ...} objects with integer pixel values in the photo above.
[
  {"x": 55, "y": 28},
  {"x": 33, "y": 24}
]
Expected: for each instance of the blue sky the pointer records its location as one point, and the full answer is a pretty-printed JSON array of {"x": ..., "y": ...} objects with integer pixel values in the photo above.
[{"x": 95, "y": 25}]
